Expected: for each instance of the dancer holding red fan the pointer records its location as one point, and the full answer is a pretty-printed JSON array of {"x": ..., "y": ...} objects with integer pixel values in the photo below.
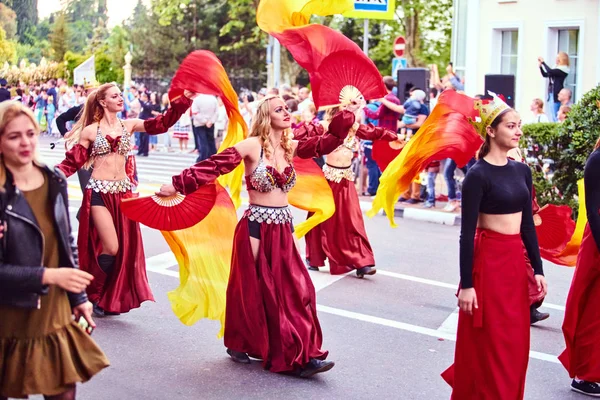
[
  {"x": 271, "y": 304},
  {"x": 110, "y": 245}
]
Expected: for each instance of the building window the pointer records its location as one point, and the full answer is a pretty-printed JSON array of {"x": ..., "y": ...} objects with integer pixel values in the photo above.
[
  {"x": 509, "y": 54},
  {"x": 568, "y": 41}
]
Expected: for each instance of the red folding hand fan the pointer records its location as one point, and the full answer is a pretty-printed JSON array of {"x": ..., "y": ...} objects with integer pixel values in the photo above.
[{"x": 171, "y": 213}]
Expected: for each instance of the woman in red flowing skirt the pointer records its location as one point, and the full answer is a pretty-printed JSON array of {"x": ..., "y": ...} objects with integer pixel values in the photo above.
[
  {"x": 492, "y": 346},
  {"x": 581, "y": 326},
  {"x": 110, "y": 245},
  {"x": 343, "y": 238},
  {"x": 271, "y": 302}
]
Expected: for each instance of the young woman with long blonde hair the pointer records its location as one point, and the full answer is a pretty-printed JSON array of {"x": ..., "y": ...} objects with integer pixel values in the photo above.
[
  {"x": 271, "y": 304},
  {"x": 110, "y": 245},
  {"x": 42, "y": 350}
]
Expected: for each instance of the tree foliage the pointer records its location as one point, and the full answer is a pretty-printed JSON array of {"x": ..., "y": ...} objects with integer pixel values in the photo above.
[
  {"x": 568, "y": 144},
  {"x": 8, "y": 51},
  {"x": 59, "y": 38},
  {"x": 8, "y": 21}
]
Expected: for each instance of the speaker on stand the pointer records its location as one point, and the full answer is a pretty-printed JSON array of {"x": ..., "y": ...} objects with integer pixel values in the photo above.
[
  {"x": 501, "y": 84},
  {"x": 410, "y": 78}
]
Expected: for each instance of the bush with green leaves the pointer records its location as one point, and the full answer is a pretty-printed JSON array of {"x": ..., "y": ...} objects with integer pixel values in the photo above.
[{"x": 568, "y": 144}]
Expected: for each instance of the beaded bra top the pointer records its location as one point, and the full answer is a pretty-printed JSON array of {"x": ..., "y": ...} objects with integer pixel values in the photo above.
[
  {"x": 107, "y": 144},
  {"x": 266, "y": 178}
]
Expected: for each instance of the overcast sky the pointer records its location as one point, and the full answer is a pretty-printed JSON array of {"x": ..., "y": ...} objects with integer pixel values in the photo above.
[{"x": 118, "y": 10}]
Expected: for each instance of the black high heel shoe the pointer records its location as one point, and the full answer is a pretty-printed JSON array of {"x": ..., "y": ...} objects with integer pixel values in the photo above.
[{"x": 238, "y": 356}]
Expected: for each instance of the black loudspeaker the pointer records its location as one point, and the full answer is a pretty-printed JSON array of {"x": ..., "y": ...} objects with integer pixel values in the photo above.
[
  {"x": 501, "y": 85},
  {"x": 412, "y": 78}
]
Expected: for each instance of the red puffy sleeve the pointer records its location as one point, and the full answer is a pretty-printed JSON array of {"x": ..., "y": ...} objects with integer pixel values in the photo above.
[
  {"x": 308, "y": 130},
  {"x": 74, "y": 159},
  {"x": 162, "y": 123},
  {"x": 319, "y": 145},
  {"x": 189, "y": 180},
  {"x": 371, "y": 132}
]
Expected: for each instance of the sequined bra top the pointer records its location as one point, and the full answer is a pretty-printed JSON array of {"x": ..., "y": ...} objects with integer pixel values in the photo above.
[
  {"x": 265, "y": 178},
  {"x": 107, "y": 144}
]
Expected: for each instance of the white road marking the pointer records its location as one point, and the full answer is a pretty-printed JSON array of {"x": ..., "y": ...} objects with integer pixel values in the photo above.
[
  {"x": 160, "y": 263},
  {"x": 446, "y": 285}
]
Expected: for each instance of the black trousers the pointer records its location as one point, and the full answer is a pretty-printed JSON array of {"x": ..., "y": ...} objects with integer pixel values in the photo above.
[
  {"x": 206, "y": 141},
  {"x": 144, "y": 147}
]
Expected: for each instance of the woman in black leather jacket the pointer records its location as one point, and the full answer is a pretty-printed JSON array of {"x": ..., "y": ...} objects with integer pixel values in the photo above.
[{"x": 41, "y": 286}]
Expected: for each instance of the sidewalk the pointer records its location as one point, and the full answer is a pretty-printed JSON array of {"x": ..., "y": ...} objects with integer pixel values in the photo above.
[{"x": 416, "y": 211}]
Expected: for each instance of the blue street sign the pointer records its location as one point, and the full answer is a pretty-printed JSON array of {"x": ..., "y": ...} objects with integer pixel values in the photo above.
[
  {"x": 397, "y": 64},
  {"x": 371, "y": 5}
]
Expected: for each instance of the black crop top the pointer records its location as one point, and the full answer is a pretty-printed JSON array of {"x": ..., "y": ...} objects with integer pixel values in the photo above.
[
  {"x": 591, "y": 179},
  {"x": 492, "y": 189}
]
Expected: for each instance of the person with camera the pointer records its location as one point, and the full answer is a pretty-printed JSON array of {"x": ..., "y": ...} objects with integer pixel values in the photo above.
[{"x": 42, "y": 349}]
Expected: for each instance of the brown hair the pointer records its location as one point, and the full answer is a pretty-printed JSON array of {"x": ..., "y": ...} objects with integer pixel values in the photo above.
[
  {"x": 485, "y": 148},
  {"x": 597, "y": 146},
  {"x": 539, "y": 103},
  {"x": 389, "y": 82},
  {"x": 92, "y": 111},
  {"x": 261, "y": 128}
]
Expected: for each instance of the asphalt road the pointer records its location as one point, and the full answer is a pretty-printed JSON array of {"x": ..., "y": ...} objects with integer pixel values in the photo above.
[{"x": 391, "y": 334}]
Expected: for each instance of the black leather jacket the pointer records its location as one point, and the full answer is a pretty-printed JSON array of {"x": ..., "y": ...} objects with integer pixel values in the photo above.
[{"x": 22, "y": 247}]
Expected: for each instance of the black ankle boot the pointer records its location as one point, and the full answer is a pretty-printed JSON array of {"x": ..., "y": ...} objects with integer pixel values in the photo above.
[
  {"x": 238, "y": 356},
  {"x": 536, "y": 316},
  {"x": 107, "y": 264},
  {"x": 315, "y": 366},
  {"x": 361, "y": 272}
]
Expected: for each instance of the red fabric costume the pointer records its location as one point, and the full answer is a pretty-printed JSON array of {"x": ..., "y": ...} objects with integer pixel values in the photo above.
[
  {"x": 342, "y": 238},
  {"x": 127, "y": 286},
  {"x": 581, "y": 326},
  {"x": 271, "y": 301},
  {"x": 492, "y": 347}
]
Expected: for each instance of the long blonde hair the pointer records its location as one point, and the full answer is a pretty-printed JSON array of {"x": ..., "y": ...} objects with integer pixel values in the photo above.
[
  {"x": 9, "y": 110},
  {"x": 261, "y": 128},
  {"x": 92, "y": 112}
]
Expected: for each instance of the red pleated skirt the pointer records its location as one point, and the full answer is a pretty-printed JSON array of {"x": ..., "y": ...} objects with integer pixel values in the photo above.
[
  {"x": 271, "y": 311},
  {"x": 581, "y": 326},
  {"x": 342, "y": 238},
  {"x": 127, "y": 286},
  {"x": 492, "y": 346}
]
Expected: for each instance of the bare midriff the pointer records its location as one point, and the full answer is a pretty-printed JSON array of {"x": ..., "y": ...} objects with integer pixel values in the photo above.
[
  {"x": 507, "y": 224},
  {"x": 109, "y": 167},
  {"x": 340, "y": 157}
]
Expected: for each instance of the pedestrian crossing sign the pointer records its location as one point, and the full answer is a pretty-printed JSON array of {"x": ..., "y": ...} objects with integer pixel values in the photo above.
[{"x": 373, "y": 9}]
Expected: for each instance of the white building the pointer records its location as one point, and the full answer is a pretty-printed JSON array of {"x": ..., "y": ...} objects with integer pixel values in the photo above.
[{"x": 507, "y": 37}]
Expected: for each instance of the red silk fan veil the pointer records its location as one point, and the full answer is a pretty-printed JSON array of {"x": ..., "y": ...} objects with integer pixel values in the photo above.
[
  {"x": 335, "y": 64},
  {"x": 200, "y": 72}
]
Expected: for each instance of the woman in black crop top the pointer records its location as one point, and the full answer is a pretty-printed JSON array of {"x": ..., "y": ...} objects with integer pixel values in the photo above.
[
  {"x": 492, "y": 348},
  {"x": 580, "y": 326}
]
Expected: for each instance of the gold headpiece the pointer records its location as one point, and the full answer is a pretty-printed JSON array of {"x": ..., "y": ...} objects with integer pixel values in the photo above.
[{"x": 488, "y": 112}]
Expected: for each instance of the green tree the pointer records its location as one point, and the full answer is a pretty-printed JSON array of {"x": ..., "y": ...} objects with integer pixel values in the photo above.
[
  {"x": 27, "y": 16},
  {"x": 59, "y": 38},
  {"x": 8, "y": 51},
  {"x": 8, "y": 21},
  {"x": 98, "y": 40},
  {"x": 118, "y": 45}
]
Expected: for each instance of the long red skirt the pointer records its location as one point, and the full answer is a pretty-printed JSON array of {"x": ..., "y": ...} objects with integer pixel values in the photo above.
[
  {"x": 581, "y": 326},
  {"x": 492, "y": 346},
  {"x": 342, "y": 238},
  {"x": 127, "y": 286},
  {"x": 271, "y": 311},
  {"x": 536, "y": 298}
]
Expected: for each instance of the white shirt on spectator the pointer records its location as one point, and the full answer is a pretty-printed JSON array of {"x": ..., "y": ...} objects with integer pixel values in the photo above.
[{"x": 205, "y": 109}]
